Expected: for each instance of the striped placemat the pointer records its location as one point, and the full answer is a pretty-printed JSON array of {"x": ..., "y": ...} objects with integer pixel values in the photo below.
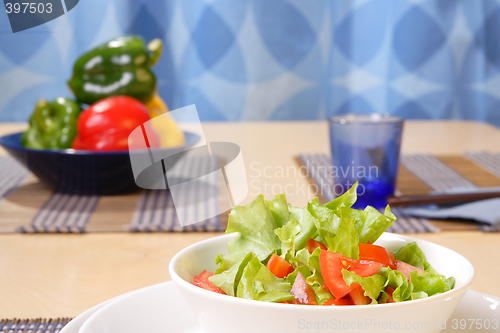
[
  {"x": 420, "y": 174},
  {"x": 11, "y": 175},
  {"x": 33, "y": 325},
  {"x": 490, "y": 162},
  {"x": 26, "y": 206}
]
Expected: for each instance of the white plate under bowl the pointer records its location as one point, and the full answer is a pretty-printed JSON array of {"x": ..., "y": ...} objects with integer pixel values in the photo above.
[
  {"x": 74, "y": 325},
  {"x": 161, "y": 308}
]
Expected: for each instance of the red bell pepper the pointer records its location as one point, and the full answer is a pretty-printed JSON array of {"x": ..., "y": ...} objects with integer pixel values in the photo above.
[{"x": 107, "y": 124}]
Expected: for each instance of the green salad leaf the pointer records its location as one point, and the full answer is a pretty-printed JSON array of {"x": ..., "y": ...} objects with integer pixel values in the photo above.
[
  {"x": 258, "y": 283},
  {"x": 370, "y": 223},
  {"x": 372, "y": 285},
  {"x": 279, "y": 210},
  {"x": 411, "y": 254},
  {"x": 255, "y": 226},
  {"x": 418, "y": 286},
  {"x": 327, "y": 222},
  {"x": 345, "y": 200},
  {"x": 310, "y": 262},
  {"x": 430, "y": 283},
  {"x": 287, "y": 236},
  {"x": 346, "y": 240},
  {"x": 307, "y": 226},
  {"x": 229, "y": 273},
  {"x": 397, "y": 281}
]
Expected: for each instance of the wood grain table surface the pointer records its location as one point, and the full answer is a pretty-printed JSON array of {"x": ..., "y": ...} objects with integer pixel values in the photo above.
[{"x": 52, "y": 275}]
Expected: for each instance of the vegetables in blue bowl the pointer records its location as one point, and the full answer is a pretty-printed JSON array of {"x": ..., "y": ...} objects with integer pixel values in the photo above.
[{"x": 80, "y": 171}]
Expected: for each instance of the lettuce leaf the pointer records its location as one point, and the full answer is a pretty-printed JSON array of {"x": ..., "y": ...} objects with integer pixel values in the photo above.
[
  {"x": 372, "y": 285},
  {"x": 411, "y": 254},
  {"x": 307, "y": 226},
  {"x": 327, "y": 222},
  {"x": 419, "y": 286},
  {"x": 346, "y": 240},
  {"x": 279, "y": 210},
  {"x": 430, "y": 283},
  {"x": 345, "y": 200},
  {"x": 397, "y": 281},
  {"x": 287, "y": 235},
  {"x": 313, "y": 274},
  {"x": 229, "y": 273},
  {"x": 258, "y": 283},
  {"x": 255, "y": 226},
  {"x": 370, "y": 223}
]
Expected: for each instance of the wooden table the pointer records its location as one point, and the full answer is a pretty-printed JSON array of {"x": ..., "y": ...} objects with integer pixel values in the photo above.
[{"x": 62, "y": 275}]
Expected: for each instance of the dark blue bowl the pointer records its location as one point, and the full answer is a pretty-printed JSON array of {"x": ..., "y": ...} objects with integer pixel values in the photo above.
[{"x": 80, "y": 171}]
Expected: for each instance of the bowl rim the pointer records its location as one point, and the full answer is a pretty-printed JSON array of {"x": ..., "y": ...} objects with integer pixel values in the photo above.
[
  {"x": 194, "y": 138},
  {"x": 238, "y": 301}
]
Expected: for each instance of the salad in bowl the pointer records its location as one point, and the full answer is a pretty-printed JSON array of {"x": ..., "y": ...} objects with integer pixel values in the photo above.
[
  {"x": 319, "y": 255},
  {"x": 277, "y": 262}
]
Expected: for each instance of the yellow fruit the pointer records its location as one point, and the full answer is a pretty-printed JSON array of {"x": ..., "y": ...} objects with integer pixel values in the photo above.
[{"x": 169, "y": 133}]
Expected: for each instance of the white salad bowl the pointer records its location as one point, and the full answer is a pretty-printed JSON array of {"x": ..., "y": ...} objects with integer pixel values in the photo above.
[{"x": 224, "y": 314}]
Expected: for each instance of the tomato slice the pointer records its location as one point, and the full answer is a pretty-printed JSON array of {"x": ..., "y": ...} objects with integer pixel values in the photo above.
[
  {"x": 342, "y": 301},
  {"x": 389, "y": 292},
  {"x": 362, "y": 268},
  {"x": 313, "y": 244},
  {"x": 358, "y": 296},
  {"x": 331, "y": 269},
  {"x": 303, "y": 293},
  {"x": 331, "y": 265},
  {"x": 376, "y": 253},
  {"x": 393, "y": 258},
  {"x": 279, "y": 266},
  {"x": 201, "y": 281},
  {"x": 407, "y": 268}
]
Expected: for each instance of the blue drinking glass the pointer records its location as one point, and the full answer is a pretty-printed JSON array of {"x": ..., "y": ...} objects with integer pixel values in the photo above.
[{"x": 365, "y": 148}]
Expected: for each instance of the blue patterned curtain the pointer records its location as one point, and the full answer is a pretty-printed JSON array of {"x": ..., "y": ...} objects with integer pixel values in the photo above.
[{"x": 279, "y": 59}]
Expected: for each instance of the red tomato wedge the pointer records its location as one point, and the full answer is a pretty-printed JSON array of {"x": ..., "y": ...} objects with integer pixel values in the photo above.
[
  {"x": 407, "y": 268},
  {"x": 331, "y": 265},
  {"x": 358, "y": 296},
  {"x": 202, "y": 282},
  {"x": 313, "y": 244},
  {"x": 303, "y": 293},
  {"x": 342, "y": 301},
  {"x": 279, "y": 266},
  {"x": 363, "y": 268},
  {"x": 331, "y": 269},
  {"x": 376, "y": 253},
  {"x": 393, "y": 258},
  {"x": 389, "y": 292}
]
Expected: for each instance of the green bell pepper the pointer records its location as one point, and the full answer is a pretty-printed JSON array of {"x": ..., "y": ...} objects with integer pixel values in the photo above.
[
  {"x": 118, "y": 67},
  {"x": 52, "y": 126}
]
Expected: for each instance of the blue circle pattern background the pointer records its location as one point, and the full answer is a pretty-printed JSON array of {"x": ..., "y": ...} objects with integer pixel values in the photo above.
[{"x": 279, "y": 59}]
